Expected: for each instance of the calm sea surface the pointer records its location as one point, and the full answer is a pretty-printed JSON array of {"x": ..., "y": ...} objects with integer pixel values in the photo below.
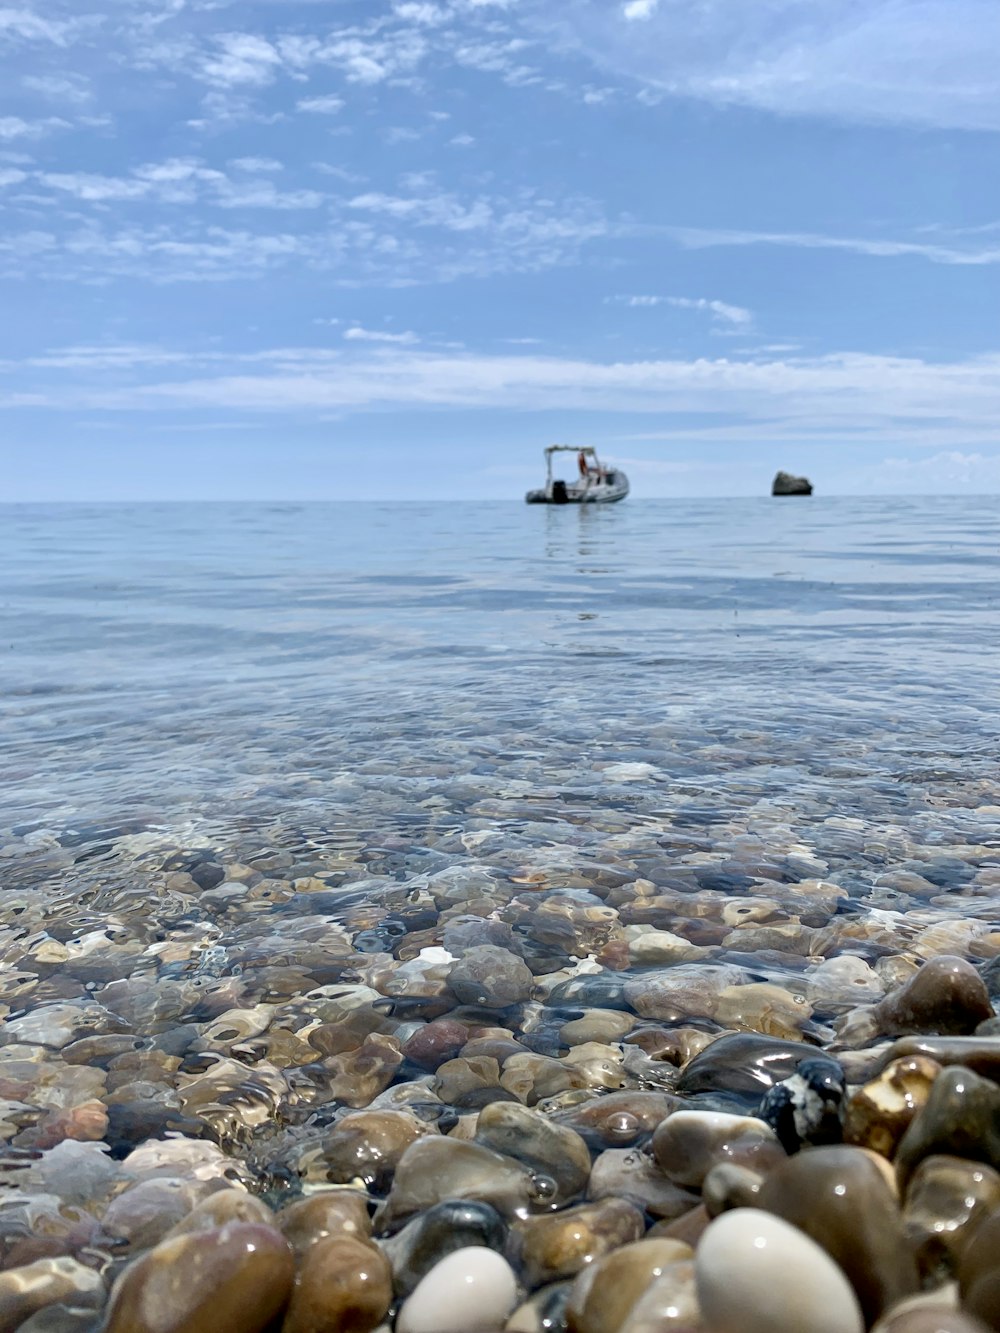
[{"x": 381, "y": 687}]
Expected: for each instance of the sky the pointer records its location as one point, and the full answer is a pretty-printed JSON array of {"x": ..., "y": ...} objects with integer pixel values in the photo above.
[{"x": 310, "y": 249}]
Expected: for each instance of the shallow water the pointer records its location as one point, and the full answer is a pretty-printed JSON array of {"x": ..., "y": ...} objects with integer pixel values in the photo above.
[{"x": 167, "y": 663}]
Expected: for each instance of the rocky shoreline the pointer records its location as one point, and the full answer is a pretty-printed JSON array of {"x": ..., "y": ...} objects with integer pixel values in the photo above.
[{"x": 726, "y": 1093}]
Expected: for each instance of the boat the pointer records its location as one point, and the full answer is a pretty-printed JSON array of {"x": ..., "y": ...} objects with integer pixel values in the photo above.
[{"x": 594, "y": 484}]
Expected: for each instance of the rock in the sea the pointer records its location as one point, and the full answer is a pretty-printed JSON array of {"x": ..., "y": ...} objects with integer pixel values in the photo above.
[
  {"x": 471, "y": 1291},
  {"x": 785, "y": 484},
  {"x": 239, "y": 1276},
  {"x": 757, "y": 1274}
]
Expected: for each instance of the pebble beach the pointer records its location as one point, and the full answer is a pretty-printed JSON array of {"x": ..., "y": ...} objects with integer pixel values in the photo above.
[{"x": 598, "y": 932}]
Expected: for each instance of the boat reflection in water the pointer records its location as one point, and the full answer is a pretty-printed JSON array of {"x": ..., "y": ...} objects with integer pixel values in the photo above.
[{"x": 595, "y": 483}]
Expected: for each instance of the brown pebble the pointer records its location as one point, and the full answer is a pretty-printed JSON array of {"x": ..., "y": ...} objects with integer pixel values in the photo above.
[
  {"x": 839, "y": 1197},
  {"x": 946, "y": 996},
  {"x": 558, "y": 1245},
  {"x": 344, "y": 1285},
  {"x": 330, "y": 1213},
  {"x": 603, "y": 1293},
  {"x": 238, "y": 1277}
]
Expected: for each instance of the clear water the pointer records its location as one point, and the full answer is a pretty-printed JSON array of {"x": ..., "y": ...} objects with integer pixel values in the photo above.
[{"x": 371, "y": 684}]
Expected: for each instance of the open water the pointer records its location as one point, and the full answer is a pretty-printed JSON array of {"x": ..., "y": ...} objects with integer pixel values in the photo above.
[{"x": 338, "y": 678}]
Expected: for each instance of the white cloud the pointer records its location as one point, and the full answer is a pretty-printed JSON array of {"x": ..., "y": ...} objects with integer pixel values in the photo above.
[
  {"x": 951, "y": 407},
  {"x": 72, "y": 88},
  {"x": 327, "y": 105},
  {"x": 14, "y": 127},
  {"x": 12, "y": 176},
  {"x": 358, "y": 334},
  {"x": 32, "y": 27},
  {"x": 720, "y": 311},
  {"x": 241, "y": 59},
  {"x": 256, "y": 164},
  {"x": 697, "y": 238},
  {"x": 928, "y": 62},
  {"x": 640, "y": 9}
]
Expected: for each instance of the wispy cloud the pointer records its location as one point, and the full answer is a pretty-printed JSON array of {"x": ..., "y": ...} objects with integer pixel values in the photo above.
[
  {"x": 947, "y": 405},
  {"x": 721, "y": 311},
  {"x": 358, "y": 334},
  {"x": 928, "y": 63},
  {"x": 640, "y": 9},
  {"x": 327, "y": 105},
  {"x": 698, "y": 238}
]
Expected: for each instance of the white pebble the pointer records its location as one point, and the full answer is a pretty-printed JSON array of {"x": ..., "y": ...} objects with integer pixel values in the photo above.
[
  {"x": 757, "y": 1274},
  {"x": 470, "y": 1290}
]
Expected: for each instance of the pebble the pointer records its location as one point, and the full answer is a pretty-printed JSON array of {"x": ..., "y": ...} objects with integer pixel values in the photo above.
[
  {"x": 757, "y": 1274},
  {"x": 839, "y": 1197},
  {"x": 239, "y": 1276},
  {"x": 343, "y": 1285},
  {"x": 472, "y": 1290},
  {"x": 688, "y": 1144}
]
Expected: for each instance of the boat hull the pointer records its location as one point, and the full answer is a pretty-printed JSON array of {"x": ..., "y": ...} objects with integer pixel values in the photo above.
[{"x": 574, "y": 493}]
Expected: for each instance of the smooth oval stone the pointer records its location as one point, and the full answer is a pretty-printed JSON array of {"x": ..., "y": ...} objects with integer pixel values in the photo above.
[
  {"x": 946, "y": 996},
  {"x": 492, "y": 977},
  {"x": 32, "y": 1287},
  {"x": 669, "y": 1304},
  {"x": 344, "y": 1285},
  {"x": 471, "y": 1291},
  {"x": 604, "y": 1293},
  {"x": 435, "y": 1043},
  {"x": 745, "y": 1064},
  {"x": 239, "y": 1276},
  {"x": 757, "y": 1274},
  {"x": 878, "y": 1114},
  {"x": 689, "y": 1143},
  {"x": 221, "y": 1207},
  {"x": 329, "y": 1213},
  {"x": 961, "y": 1118},
  {"x": 434, "y": 1169},
  {"x": 619, "y": 1119},
  {"x": 543, "y": 1146},
  {"x": 366, "y": 1147},
  {"x": 558, "y": 1245},
  {"x": 946, "y": 1200},
  {"x": 839, "y": 1197},
  {"x": 455, "y": 1224},
  {"x": 630, "y": 1173}
]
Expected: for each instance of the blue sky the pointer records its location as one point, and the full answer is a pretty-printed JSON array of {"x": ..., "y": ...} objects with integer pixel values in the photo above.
[{"x": 327, "y": 248}]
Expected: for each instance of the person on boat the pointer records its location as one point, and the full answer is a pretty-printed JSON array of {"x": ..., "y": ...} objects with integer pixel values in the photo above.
[{"x": 581, "y": 460}]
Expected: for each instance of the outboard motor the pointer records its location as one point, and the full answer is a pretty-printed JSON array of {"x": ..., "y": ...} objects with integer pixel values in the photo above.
[{"x": 559, "y": 496}]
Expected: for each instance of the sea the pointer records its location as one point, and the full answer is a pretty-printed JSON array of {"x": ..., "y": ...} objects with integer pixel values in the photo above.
[{"x": 380, "y": 690}]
